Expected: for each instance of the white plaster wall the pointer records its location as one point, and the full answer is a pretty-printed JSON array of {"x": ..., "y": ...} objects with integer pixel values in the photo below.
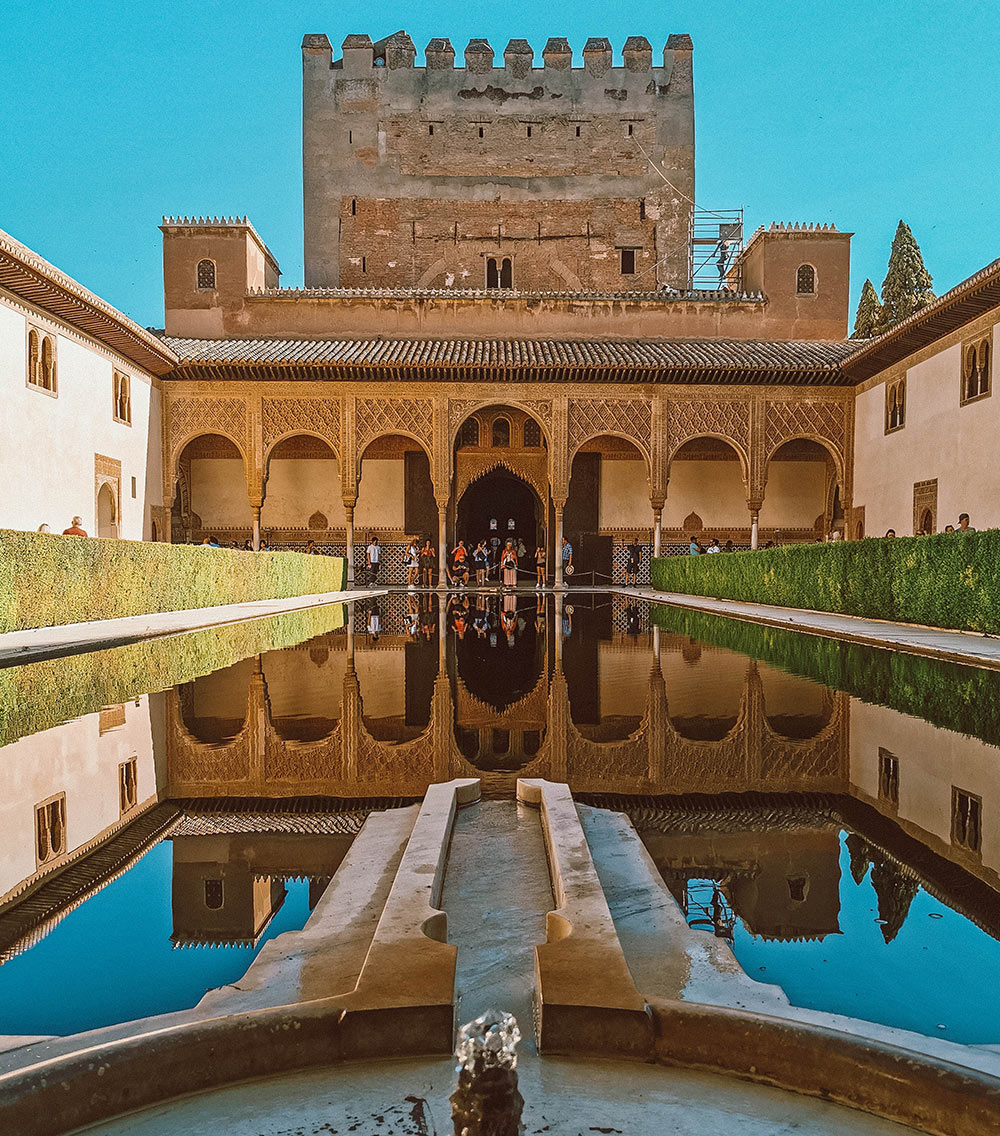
[
  {"x": 931, "y": 762},
  {"x": 380, "y": 496},
  {"x": 795, "y": 494},
  {"x": 47, "y": 444},
  {"x": 298, "y": 488},
  {"x": 219, "y": 493},
  {"x": 941, "y": 439},
  {"x": 624, "y": 495},
  {"x": 712, "y": 489},
  {"x": 77, "y": 760}
]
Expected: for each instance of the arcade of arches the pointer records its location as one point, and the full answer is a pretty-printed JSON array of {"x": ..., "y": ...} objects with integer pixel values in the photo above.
[{"x": 289, "y": 462}]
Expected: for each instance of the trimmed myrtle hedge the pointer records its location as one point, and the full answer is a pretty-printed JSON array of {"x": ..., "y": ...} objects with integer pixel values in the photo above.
[
  {"x": 36, "y": 696},
  {"x": 964, "y": 699},
  {"x": 46, "y": 580},
  {"x": 949, "y": 580}
]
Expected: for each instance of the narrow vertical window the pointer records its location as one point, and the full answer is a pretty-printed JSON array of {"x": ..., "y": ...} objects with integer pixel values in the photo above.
[
  {"x": 122, "y": 393},
  {"x": 354, "y": 207},
  {"x": 506, "y": 273},
  {"x": 127, "y": 785},
  {"x": 983, "y": 367},
  {"x": 528, "y": 135},
  {"x": 895, "y": 405},
  {"x": 481, "y": 132},
  {"x": 501, "y": 432},
  {"x": 966, "y": 819},
  {"x": 628, "y": 262},
  {"x": 430, "y": 129},
  {"x": 214, "y": 894},
  {"x": 532, "y": 434},
  {"x": 48, "y": 367},
  {"x": 805, "y": 280},
  {"x": 888, "y": 777},
  {"x": 492, "y": 275},
  {"x": 578, "y": 132},
  {"x": 630, "y": 130},
  {"x": 34, "y": 358}
]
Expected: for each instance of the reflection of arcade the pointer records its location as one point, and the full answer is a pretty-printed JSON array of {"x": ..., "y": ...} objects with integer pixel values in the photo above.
[{"x": 410, "y": 714}]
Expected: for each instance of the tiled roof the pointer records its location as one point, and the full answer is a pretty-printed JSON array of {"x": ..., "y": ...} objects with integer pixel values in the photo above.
[
  {"x": 284, "y": 823},
  {"x": 26, "y": 274},
  {"x": 670, "y": 360},
  {"x": 960, "y": 305}
]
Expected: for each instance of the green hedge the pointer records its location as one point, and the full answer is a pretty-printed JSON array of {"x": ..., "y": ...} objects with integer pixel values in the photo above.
[
  {"x": 965, "y": 699},
  {"x": 36, "y": 696},
  {"x": 949, "y": 580},
  {"x": 46, "y": 580}
]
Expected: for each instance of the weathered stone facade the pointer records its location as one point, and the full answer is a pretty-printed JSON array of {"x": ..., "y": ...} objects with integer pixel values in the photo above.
[{"x": 511, "y": 177}]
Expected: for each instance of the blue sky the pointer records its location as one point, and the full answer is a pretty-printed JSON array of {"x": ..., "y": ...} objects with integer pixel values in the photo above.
[{"x": 116, "y": 112}]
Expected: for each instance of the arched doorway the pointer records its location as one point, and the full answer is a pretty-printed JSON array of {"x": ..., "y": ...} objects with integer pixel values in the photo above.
[
  {"x": 707, "y": 496},
  {"x": 501, "y": 477},
  {"x": 608, "y": 505},
  {"x": 107, "y": 513},
  {"x": 802, "y": 497},
  {"x": 210, "y": 498},
  {"x": 303, "y": 499},
  {"x": 499, "y": 503}
]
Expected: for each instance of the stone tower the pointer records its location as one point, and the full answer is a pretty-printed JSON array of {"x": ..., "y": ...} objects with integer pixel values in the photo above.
[{"x": 552, "y": 178}]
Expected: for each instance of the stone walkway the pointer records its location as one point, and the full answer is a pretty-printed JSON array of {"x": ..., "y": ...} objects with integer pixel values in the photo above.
[
  {"x": 954, "y": 646},
  {"x": 74, "y": 638}
]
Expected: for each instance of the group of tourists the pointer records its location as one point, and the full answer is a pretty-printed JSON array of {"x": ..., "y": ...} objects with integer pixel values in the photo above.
[{"x": 963, "y": 526}]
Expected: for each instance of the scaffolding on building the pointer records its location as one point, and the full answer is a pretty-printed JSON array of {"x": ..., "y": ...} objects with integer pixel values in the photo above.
[{"x": 715, "y": 244}]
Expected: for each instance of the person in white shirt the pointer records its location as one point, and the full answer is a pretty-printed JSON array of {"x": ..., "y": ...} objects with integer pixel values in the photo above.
[
  {"x": 412, "y": 563},
  {"x": 372, "y": 558},
  {"x": 713, "y": 546}
]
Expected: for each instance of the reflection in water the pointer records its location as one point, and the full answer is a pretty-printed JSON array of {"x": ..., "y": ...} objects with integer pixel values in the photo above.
[{"x": 785, "y": 816}]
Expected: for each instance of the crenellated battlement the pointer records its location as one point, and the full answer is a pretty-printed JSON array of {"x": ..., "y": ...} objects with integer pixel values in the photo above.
[{"x": 398, "y": 52}]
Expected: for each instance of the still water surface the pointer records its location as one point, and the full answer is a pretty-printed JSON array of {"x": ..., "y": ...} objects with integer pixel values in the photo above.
[{"x": 828, "y": 810}]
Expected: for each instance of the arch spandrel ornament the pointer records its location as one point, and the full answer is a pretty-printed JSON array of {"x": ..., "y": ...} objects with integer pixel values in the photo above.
[
  {"x": 724, "y": 418},
  {"x": 821, "y": 420},
  {"x": 460, "y": 409},
  {"x": 413, "y": 417},
  {"x": 531, "y": 468},
  {"x": 199, "y": 414},
  {"x": 284, "y": 417},
  {"x": 629, "y": 418}
]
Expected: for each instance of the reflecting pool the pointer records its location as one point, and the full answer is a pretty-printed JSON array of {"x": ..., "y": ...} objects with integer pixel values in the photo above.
[{"x": 828, "y": 810}]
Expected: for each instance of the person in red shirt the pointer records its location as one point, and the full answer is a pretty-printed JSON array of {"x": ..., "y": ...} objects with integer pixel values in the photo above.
[{"x": 75, "y": 529}]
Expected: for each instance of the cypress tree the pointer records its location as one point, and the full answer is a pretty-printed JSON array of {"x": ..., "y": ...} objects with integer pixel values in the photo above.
[
  {"x": 869, "y": 315},
  {"x": 907, "y": 284}
]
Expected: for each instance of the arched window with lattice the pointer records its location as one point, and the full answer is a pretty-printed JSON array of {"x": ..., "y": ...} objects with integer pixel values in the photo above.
[
  {"x": 501, "y": 432},
  {"x": 468, "y": 434},
  {"x": 532, "y": 434},
  {"x": 47, "y": 372},
  {"x": 206, "y": 275},
  {"x": 34, "y": 358},
  {"x": 895, "y": 405},
  {"x": 977, "y": 365},
  {"x": 805, "y": 280},
  {"x": 122, "y": 395}
]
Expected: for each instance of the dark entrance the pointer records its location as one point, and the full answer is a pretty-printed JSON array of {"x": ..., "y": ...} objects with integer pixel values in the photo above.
[{"x": 502, "y": 495}]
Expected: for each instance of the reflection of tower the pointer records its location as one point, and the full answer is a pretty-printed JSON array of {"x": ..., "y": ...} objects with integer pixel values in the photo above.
[{"x": 894, "y": 887}]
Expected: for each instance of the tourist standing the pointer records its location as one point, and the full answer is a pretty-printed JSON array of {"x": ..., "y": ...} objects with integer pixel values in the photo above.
[
  {"x": 460, "y": 565},
  {"x": 412, "y": 563},
  {"x": 76, "y": 528},
  {"x": 632, "y": 562},
  {"x": 963, "y": 523},
  {"x": 540, "y": 558},
  {"x": 567, "y": 557},
  {"x": 480, "y": 560},
  {"x": 427, "y": 559},
  {"x": 372, "y": 554},
  {"x": 694, "y": 548},
  {"x": 508, "y": 563},
  {"x": 713, "y": 546}
]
